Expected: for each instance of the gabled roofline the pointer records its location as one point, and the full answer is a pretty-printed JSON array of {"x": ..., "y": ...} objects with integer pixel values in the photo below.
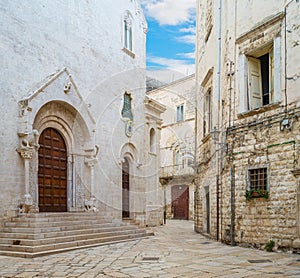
[
  {"x": 172, "y": 83},
  {"x": 48, "y": 81}
]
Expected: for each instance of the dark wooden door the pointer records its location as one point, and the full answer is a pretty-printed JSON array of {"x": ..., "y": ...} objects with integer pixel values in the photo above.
[
  {"x": 207, "y": 213},
  {"x": 180, "y": 202},
  {"x": 125, "y": 189},
  {"x": 52, "y": 173}
]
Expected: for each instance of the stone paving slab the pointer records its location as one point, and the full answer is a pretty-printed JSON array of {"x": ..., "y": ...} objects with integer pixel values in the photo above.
[{"x": 175, "y": 251}]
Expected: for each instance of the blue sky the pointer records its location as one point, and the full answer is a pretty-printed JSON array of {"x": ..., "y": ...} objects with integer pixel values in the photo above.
[{"x": 171, "y": 35}]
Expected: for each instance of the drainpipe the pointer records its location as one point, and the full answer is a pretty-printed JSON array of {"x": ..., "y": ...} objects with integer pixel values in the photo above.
[
  {"x": 219, "y": 56},
  {"x": 218, "y": 178},
  {"x": 232, "y": 212},
  {"x": 197, "y": 90}
]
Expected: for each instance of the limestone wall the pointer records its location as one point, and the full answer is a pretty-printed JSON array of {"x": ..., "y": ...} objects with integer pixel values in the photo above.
[
  {"x": 262, "y": 219},
  {"x": 267, "y": 136}
]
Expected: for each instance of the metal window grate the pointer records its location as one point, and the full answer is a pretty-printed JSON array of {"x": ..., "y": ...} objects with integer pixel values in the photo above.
[{"x": 258, "y": 179}]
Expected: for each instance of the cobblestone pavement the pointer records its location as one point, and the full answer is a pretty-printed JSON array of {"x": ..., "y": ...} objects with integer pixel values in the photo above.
[{"x": 175, "y": 251}]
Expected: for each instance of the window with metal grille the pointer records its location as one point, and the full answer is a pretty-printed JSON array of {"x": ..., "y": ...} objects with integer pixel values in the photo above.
[{"x": 258, "y": 179}]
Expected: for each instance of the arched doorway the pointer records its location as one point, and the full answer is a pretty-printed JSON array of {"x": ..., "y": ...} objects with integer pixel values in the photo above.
[
  {"x": 52, "y": 172},
  {"x": 125, "y": 188}
]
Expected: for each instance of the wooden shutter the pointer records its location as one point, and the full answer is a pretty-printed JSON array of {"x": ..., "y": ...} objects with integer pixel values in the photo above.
[
  {"x": 271, "y": 78},
  {"x": 254, "y": 83}
]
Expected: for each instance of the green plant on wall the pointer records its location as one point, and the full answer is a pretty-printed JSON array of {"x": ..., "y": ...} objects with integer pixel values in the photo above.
[
  {"x": 256, "y": 193},
  {"x": 270, "y": 245}
]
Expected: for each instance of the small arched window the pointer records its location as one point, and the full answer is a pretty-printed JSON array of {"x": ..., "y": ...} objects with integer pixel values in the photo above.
[
  {"x": 128, "y": 31},
  {"x": 152, "y": 141}
]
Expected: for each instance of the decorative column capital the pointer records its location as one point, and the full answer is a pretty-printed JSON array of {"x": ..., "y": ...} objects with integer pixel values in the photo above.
[
  {"x": 28, "y": 143},
  {"x": 91, "y": 162},
  {"x": 26, "y": 153}
]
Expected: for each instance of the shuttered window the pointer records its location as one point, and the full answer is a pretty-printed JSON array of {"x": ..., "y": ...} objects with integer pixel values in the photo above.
[{"x": 260, "y": 79}]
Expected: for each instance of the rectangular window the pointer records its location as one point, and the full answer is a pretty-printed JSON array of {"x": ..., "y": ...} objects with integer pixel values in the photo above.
[
  {"x": 207, "y": 113},
  {"x": 258, "y": 179},
  {"x": 260, "y": 78},
  {"x": 177, "y": 158},
  {"x": 128, "y": 33},
  {"x": 180, "y": 111}
]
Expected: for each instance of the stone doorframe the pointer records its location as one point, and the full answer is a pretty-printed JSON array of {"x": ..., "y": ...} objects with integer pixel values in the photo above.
[
  {"x": 129, "y": 151},
  {"x": 206, "y": 210},
  {"x": 58, "y": 104}
]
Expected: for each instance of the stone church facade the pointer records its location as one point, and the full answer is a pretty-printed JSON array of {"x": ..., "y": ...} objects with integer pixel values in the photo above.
[
  {"x": 76, "y": 125},
  {"x": 247, "y": 185}
]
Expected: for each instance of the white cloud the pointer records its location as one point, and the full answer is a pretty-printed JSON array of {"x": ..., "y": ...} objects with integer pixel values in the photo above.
[
  {"x": 189, "y": 55},
  {"x": 170, "y": 12},
  {"x": 189, "y": 39},
  {"x": 179, "y": 66},
  {"x": 190, "y": 29}
]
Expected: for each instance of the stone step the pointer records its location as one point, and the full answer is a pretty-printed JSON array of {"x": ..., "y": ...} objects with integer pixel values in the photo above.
[
  {"x": 71, "y": 227},
  {"x": 55, "y": 251},
  {"x": 70, "y": 244},
  {"x": 61, "y": 222},
  {"x": 37, "y": 236},
  {"x": 82, "y": 235},
  {"x": 46, "y": 217},
  {"x": 46, "y": 233},
  {"x": 57, "y": 214}
]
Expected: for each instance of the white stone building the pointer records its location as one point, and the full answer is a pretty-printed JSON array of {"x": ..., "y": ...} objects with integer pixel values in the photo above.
[
  {"x": 249, "y": 122},
  {"x": 177, "y": 146},
  {"x": 76, "y": 124}
]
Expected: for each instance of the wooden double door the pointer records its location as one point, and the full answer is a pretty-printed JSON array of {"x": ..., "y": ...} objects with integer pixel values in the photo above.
[
  {"x": 52, "y": 172},
  {"x": 180, "y": 202}
]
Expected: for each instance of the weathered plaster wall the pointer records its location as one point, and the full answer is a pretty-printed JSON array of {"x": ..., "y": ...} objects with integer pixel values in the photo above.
[{"x": 39, "y": 39}]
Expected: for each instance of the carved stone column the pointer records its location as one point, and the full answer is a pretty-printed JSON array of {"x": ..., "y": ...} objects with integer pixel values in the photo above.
[
  {"x": 90, "y": 203},
  {"x": 26, "y": 154},
  {"x": 28, "y": 144}
]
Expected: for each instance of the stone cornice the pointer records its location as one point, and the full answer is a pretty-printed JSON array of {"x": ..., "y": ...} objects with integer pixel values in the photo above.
[
  {"x": 260, "y": 26},
  {"x": 207, "y": 77},
  {"x": 154, "y": 105}
]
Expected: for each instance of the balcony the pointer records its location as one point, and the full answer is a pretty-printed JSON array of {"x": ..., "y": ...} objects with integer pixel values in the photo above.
[{"x": 173, "y": 171}]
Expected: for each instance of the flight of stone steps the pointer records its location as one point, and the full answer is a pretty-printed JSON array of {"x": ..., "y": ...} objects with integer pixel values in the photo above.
[{"x": 38, "y": 234}]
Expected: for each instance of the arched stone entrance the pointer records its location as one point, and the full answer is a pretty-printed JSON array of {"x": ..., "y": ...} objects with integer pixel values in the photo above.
[{"x": 52, "y": 172}]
